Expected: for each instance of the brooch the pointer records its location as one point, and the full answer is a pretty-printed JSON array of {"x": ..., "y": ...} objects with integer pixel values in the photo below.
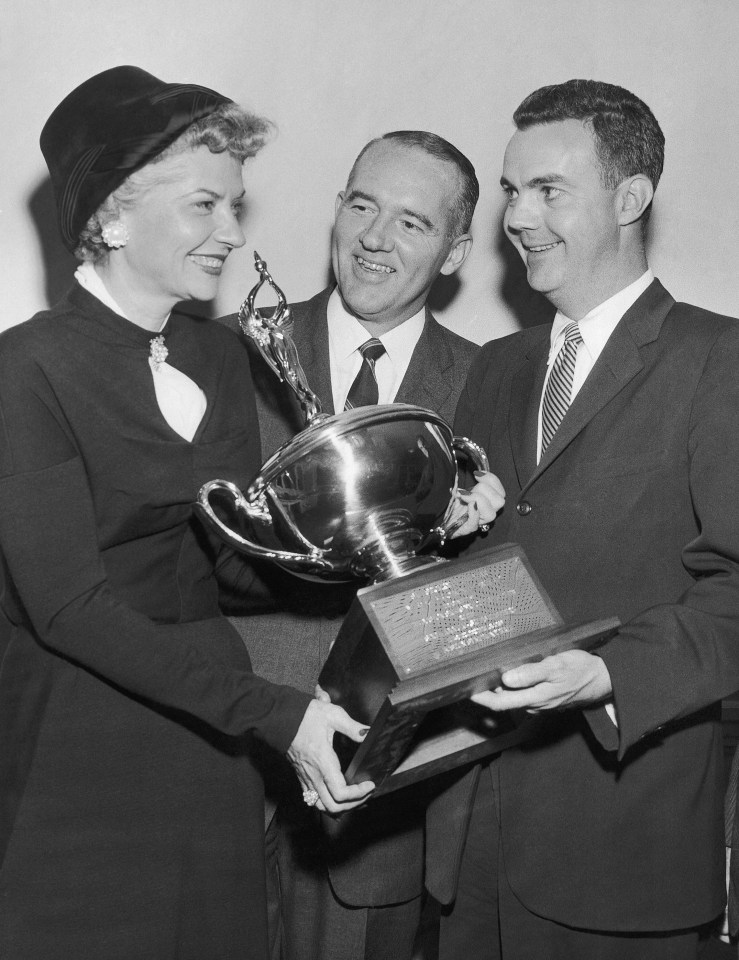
[{"x": 157, "y": 351}]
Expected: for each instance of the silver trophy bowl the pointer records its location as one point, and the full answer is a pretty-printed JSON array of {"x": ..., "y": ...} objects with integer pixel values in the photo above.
[{"x": 353, "y": 496}]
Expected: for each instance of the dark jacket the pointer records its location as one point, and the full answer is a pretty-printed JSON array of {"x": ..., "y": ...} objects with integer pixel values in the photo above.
[{"x": 632, "y": 512}]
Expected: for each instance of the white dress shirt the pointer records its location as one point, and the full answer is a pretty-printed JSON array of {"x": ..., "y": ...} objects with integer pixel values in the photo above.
[
  {"x": 595, "y": 329},
  {"x": 346, "y": 335},
  {"x": 180, "y": 399}
]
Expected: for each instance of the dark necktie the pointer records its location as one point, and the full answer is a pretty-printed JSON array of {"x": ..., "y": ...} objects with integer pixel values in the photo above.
[
  {"x": 558, "y": 391},
  {"x": 363, "y": 392}
]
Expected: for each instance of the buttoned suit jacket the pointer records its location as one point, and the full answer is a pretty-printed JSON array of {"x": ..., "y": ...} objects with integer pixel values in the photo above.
[
  {"x": 633, "y": 511},
  {"x": 376, "y": 857}
]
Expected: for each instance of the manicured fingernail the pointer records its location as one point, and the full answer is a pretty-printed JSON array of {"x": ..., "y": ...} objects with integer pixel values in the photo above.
[
  {"x": 478, "y": 473},
  {"x": 364, "y": 731},
  {"x": 463, "y": 491}
]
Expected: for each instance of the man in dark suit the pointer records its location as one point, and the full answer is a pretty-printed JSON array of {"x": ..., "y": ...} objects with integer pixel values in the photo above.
[
  {"x": 352, "y": 890},
  {"x": 614, "y": 432}
]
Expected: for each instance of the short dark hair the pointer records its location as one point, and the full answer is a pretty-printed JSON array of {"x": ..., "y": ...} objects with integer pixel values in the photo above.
[
  {"x": 628, "y": 139},
  {"x": 436, "y": 146}
]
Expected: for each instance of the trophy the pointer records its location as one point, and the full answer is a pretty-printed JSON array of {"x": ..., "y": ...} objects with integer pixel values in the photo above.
[{"x": 366, "y": 495}]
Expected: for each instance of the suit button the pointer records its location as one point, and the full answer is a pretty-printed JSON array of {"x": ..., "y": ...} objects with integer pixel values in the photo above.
[{"x": 524, "y": 508}]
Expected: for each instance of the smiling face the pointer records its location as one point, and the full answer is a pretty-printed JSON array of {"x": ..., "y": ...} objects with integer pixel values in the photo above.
[
  {"x": 391, "y": 234},
  {"x": 181, "y": 229},
  {"x": 565, "y": 224}
]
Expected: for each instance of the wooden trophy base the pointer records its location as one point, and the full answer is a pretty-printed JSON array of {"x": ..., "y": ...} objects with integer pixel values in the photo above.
[{"x": 412, "y": 650}]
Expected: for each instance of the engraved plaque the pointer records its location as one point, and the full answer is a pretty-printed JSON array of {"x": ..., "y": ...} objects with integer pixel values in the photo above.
[
  {"x": 412, "y": 650},
  {"x": 464, "y": 610}
]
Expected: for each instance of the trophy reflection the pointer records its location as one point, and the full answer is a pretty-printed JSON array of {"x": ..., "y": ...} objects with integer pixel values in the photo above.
[{"x": 366, "y": 495}]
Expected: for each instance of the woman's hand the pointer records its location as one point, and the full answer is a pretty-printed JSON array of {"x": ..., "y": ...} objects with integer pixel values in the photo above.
[
  {"x": 316, "y": 764},
  {"x": 475, "y": 509}
]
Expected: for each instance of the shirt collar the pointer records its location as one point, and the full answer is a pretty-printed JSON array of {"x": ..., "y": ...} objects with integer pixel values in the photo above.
[
  {"x": 597, "y": 325},
  {"x": 346, "y": 334}
]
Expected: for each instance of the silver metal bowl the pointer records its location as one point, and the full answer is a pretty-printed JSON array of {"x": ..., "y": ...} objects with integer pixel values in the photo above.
[{"x": 355, "y": 495}]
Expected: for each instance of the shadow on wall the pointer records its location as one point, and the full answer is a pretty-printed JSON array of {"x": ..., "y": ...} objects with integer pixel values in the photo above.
[
  {"x": 529, "y": 307},
  {"x": 59, "y": 264},
  {"x": 443, "y": 292}
]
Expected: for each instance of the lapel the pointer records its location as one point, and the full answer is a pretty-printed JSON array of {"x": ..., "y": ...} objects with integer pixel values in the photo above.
[
  {"x": 428, "y": 381},
  {"x": 523, "y": 414},
  {"x": 617, "y": 365},
  {"x": 310, "y": 335}
]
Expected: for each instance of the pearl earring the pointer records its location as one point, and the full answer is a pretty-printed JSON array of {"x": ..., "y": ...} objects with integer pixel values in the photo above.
[{"x": 115, "y": 234}]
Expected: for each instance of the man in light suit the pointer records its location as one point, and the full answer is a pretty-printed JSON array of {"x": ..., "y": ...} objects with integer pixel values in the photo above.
[
  {"x": 351, "y": 890},
  {"x": 616, "y": 440}
]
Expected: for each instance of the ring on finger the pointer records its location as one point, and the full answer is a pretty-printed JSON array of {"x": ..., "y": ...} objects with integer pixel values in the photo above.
[{"x": 310, "y": 797}]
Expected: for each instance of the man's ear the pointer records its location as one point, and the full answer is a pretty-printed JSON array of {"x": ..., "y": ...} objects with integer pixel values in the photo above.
[
  {"x": 457, "y": 255},
  {"x": 339, "y": 201},
  {"x": 633, "y": 197}
]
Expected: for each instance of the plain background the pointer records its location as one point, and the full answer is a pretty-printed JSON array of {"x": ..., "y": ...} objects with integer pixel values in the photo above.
[{"x": 334, "y": 73}]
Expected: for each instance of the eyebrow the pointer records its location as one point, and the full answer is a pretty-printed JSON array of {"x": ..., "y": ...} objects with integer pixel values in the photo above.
[
  {"x": 537, "y": 181},
  {"x": 214, "y": 194},
  {"x": 359, "y": 195}
]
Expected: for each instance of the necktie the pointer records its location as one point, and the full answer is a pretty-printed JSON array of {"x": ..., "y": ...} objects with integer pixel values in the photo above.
[
  {"x": 559, "y": 386},
  {"x": 363, "y": 391}
]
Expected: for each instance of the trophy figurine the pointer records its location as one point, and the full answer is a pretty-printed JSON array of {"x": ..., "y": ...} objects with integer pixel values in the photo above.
[{"x": 366, "y": 495}]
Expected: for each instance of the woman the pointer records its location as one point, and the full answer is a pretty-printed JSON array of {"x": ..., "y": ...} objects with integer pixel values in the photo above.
[{"x": 131, "y": 823}]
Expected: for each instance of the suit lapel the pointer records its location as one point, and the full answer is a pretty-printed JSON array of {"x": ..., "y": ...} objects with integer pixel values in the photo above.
[
  {"x": 311, "y": 339},
  {"x": 617, "y": 365},
  {"x": 428, "y": 379},
  {"x": 523, "y": 413}
]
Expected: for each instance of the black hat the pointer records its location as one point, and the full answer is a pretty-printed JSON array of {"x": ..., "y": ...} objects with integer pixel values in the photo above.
[{"x": 109, "y": 126}]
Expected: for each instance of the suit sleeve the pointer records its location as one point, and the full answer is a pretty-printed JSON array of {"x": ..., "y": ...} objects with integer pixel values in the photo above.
[
  {"x": 675, "y": 659},
  {"x": 49, "y": 540}
]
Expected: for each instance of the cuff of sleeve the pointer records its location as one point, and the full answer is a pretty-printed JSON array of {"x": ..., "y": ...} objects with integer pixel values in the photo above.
[
  {"x": 604, "y": 728},
  {"x": 610, "y": 708},
  {"x": 279, "y": 729}
]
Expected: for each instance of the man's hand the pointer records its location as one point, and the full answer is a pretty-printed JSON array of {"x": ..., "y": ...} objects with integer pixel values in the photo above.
[
  {"x": 316, "y": 764},
  {"x": 477, "y": 507},
  {"x": 574, "y": 678}
]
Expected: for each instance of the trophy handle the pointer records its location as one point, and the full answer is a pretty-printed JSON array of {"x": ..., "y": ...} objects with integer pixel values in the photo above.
[
  {"x": 468, "y": 449},
  {"x": 473, "y": 451},
  {"x": 299, "y": 563}
]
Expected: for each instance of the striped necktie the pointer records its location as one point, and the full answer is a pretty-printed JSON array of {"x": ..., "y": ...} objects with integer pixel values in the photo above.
[
  {"x": 363, "y": 392},
  {"x": 558, "y": 392}
]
